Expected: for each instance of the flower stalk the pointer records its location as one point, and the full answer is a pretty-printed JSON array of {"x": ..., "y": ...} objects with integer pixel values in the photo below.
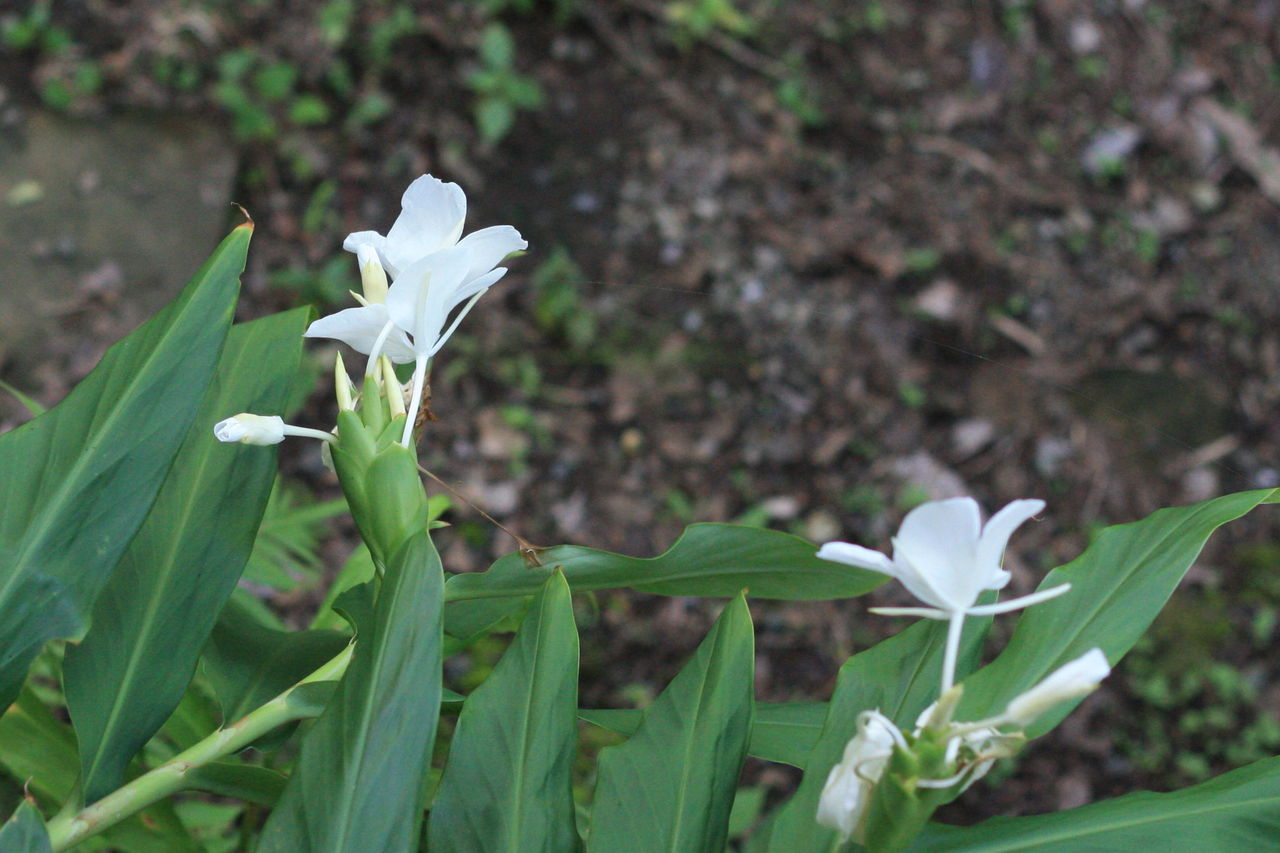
[{"x": 296, "y": 703}]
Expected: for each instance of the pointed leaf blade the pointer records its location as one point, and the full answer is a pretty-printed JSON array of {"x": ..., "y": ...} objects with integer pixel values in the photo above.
[
  {"x": 670, "y": 787},
  {"x": 358, "y": 784},
  {"x": 508, "y": 784},
  {"x": 80, "y": 479}
]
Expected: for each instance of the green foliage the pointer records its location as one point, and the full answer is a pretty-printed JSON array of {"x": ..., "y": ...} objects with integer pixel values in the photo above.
[
  {"x": 500, "y": 89},
  {"x": 693, "y": 20},
  {"x": 1235, "y": 811},
  {"x": 284, "y": 553},
  {"x": 515, "y": 741},
  {"x": 129, "y": 672},
  {"x": 558, "y": 283},
  {"x": 25, "y": 831},
  {"x": 671, "y": 785},
  {"x": 359, "y": 781},
  {"x": 707, "y": 560},
  {"x": 81, "y": 478},
  {"x": 1118, "y": 585}
]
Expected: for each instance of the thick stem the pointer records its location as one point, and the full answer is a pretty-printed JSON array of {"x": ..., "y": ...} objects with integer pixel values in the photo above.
[
  {"x": 67, "y": 830},
  {"x": 954, "y": 629}
]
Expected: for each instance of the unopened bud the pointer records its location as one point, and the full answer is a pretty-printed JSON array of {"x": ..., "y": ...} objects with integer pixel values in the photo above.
[
  {"x": 1069, "y": 681},
  {"x": 373, "y": 278},
  {"x": 247, "y": 428}
]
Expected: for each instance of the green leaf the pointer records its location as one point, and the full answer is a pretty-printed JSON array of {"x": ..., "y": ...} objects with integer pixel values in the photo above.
[
  {"x": 248, "y": 663},
  {"x": 671, "y": 785},
  {"x": 27, "y": 402},
  {"x": 508, "y": 783},
  {"x": 358, "y": 784},
  {"x": 494, "y": 118},
  {"x": 39, "y": 752},
  {"x": 712, "y": 560},
  {"x": 1118, "y": 586},
  {"x": 24, "y": 832},
  {"x": 80, "y": 479},
  {"x": 130, "y": 671},
  {"x": 900, "y": 676},
  {"x": 782, "y": 731},
  {"x": 1239, "y": 810},
  {"x": 247, "y": 782}
]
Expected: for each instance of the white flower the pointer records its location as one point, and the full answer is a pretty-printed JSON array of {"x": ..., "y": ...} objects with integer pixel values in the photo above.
[
  {"x": 247, "y": 428},
  {"x": 431, "y": 220},
  {"x": 1069, "y": 681},
  {"x": 944, "y": 555},
  {"x": 849, "y": 784},
  {"x": 434, "y": 272},
  {"x": 946, "y": 558}
]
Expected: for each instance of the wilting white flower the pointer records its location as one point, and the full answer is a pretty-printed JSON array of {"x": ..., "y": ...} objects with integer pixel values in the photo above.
[
  {"x": 849, "y": 784},
  {"x": 946, "y": 557},
  {"x": 247, "y": 428},
  {"x": 1069, "y": 681}
]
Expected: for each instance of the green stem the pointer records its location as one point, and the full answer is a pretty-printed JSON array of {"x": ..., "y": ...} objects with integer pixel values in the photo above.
[{"x": 67, "y": 830}]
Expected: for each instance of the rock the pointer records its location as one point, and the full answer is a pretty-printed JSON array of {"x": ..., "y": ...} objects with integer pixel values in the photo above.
[{"x": 137, "y": 202}]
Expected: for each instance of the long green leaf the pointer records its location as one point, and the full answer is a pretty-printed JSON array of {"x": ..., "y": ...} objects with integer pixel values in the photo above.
[
  {"x": 247, "y": 663},
  {"x": 149, "y": 624},
  {"x": 670, "y": 787},
  {"x": 900, "y": 677},
  {"x": 358, "y": 784},
  {"x": 508, "y": 785},
  {"x": 710, "y": 560},
  {"x": 1239, "y": 810},
  {"x": 782, "y": 731},
  {"x": 1118, "y": 586},
  {"x": 80, "y": 479},
  {"x": 24, "y": 832}
]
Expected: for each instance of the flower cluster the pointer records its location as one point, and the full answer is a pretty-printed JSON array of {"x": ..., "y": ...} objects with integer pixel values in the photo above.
[
  {"x": 946, "y": 557},
  {"x": 422, "y": 272}
]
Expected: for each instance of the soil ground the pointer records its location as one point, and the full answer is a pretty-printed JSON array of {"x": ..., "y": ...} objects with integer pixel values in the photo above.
[{"x": 805, "y": 268}]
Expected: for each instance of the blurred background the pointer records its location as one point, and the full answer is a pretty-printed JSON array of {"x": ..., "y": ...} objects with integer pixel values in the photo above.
[{"x": 801, "y": 264}]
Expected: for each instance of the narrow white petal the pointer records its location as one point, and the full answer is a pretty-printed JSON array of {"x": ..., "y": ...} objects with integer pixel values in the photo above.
[
  {"x": 922, "y": 612},
  {"x": 1018, "y": 603},
  {"x": 995, "y": 536},
  {"x": 422, "y": 296},
  {"x": 856, "y": 555},
  {"x": 1069, "y": 681},
  {"x": 430, "y": 220},
  {"x": 359, "y": 328},
  {"x": 489, "y": 246}
]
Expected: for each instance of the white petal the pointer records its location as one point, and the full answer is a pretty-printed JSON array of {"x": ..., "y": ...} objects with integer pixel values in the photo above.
[
  {"x": 358, "y": 328},
  {"x": 489, "y": 246},
  {"x": 421, "y": 298},
  {"x": 248, "y": 428},
  {"x": 995, "y": 536},
  {"x": 856, "y": 555},
  {"x": 1019, "y": 603},
  {"x": 1069, "y": 681},
  {"x": 430, "y": 220},
  {"x": 356, "y": 239},
  {"x": 937, "y": 542}
]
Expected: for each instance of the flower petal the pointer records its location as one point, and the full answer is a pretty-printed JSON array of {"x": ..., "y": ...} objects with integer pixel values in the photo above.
[
  {"x": 359, "y": 328},
  {"x": 431, "y": 217},
  {"x": 489, "y": 246},
  {"x": 935, "y": 547},
  {"x": 856, "y": 555},
  {"x": 1069, "y": 681},
  {"x": 995, "y": 536},
  {"x": 423, "y": 295}
]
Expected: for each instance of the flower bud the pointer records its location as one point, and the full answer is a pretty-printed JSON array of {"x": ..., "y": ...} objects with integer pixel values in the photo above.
[
  {"x": 1069, "y": 681},
  {"x": 247, "y": 428},
  {"x": 373, "y": 278}
]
